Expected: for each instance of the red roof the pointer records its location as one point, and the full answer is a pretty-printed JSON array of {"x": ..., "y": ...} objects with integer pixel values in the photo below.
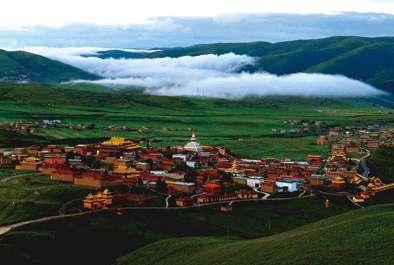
[
  {"x": 212, "y": 186},
  {"x": 349, "y": 171},
  {"x": 242, "y": 191},
  {"x": 207, "y": 195},
  {"x": 268, "y": 184},
  {"x": 185, "y": 199},
  {"x": 121, "y": 195},
  {"x": 66, "y": 171},
  {"x": 34, "y": 148}
]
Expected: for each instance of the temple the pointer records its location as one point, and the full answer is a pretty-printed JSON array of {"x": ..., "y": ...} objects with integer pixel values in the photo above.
[
  {"x": 126, "y": 172},
  {"x": 234, "y": 169},
  {"x": 118, "y": 144},
  {"x": 193, "y": 145},
  {"x": 30, "y": 163}
]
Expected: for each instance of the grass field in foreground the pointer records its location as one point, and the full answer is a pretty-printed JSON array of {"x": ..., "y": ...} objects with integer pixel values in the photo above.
[
  {"x": 79, "y": 237},
  {"x": 18, "y": 203},
  {"x": 359, "y": 237}
]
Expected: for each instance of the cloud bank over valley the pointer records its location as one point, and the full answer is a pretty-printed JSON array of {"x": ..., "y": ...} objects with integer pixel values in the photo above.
[{"x": 210, "y": 75}]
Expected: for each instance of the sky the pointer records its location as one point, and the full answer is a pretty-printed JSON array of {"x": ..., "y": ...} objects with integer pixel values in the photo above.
[{"x": 171, "y": 23}]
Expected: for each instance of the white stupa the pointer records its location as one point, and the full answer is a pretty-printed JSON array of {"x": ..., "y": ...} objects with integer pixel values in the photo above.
[{"x": 193, "y": 145}]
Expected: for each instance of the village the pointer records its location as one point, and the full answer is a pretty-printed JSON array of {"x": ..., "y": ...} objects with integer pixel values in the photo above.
[{"x": 195, "y": 175}]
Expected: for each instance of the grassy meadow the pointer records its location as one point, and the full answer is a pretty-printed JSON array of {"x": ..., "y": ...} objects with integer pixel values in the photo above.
[
  {"x": 217, "y": 121},
  {"x": 79, "y": 236},
  {"x": 18, "y": 202},
  {"x": 358, "y": 237}
]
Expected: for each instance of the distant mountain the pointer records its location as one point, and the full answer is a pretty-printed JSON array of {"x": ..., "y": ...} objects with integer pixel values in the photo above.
[
  {"x": 116, "y": 54},
  {"x": 19, "y": 66},
  {"x": 355, "y": 57}
]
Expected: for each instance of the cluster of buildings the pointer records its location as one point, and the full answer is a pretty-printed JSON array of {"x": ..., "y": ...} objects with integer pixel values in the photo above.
[{"x": 209, "y": 171}]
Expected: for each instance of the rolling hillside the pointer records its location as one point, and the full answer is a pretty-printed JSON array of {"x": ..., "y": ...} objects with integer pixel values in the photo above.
[
  {"x": 116, "y": 54},
  {"x": 355, "y": 57},
  {"x": 22, "y": 66},
  {"x": 358, "y": 237}
]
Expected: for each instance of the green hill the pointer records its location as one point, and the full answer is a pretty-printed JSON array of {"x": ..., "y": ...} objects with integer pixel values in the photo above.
[
  {"x": 358, "y": 237},
  {"x": 361, "y": 63},
  {"x": 360, "y": 58},
  {"x": 116, "y": 54},
  {"x": 24, "y": 66}
]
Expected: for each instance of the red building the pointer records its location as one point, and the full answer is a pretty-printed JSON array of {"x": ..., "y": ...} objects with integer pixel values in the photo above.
[
  {"x": 211, "y": 188},
  {"x": 183, "y": 202}
]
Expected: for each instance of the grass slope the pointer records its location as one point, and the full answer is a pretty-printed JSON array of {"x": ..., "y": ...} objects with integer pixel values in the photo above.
[
  {"x": 361, "y": 63},
  {"x": 360, "y": 58},
  {"x": 25, "y": 66},
  {"x": 359, "y": 237},
  {"x": 77, "y": 239}
]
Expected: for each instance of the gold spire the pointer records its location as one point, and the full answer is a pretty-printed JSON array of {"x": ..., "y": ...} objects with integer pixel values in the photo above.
[
  {"x": 235, "y": 165},
  {"x": 193, "y": 138}
]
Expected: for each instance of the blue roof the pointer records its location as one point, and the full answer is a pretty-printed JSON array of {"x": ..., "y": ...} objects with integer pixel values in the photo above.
[
  {"x": 289, "y": 180},
  {"x": 184, "y": 183},
  {"x": 239, "y": 178},
  {"x": 318, "y": 177}
]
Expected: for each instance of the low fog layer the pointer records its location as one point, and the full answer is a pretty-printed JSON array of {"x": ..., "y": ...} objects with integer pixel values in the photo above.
[{"x": 208, "y": 75}]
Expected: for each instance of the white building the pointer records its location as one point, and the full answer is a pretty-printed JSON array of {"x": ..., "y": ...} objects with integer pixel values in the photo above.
[
  {"x": 289, "y": 184},
  {"x": 180, "y": 156},
  {"x": 254, "y": 182},
  {"x": 193, "y": 145}
]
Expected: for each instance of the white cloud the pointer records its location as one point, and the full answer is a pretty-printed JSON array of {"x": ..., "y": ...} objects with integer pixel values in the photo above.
[{"x": 213, "y": 75}]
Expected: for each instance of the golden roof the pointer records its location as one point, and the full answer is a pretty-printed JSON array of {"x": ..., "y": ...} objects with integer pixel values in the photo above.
[
  {"x": 193, "y": 138},
  {"x": 106, "y": 192},
  {"x": 370, "y": 185},
  {"x": 90, "y": 196},
  {"x": 125, "y": 170},
  {"x": 235, "y": 165},
  {"x": 32, "y": 160},
  {"x": 120, "y": 141},
  {"x": 234, "y": 168},
  {"x": 98, "y": 195}
]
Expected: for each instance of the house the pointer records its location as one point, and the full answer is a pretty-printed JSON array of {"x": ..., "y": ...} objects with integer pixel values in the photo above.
[
  {"x": 240, "y": 180},
  {"x": 20, "y": 151},
  {"x": 247, "y": 194},
  {"x": 138, "y": 198},
  {"x": 358, "y": 199},
  {"x": 323, "y": 140},
  {"x": 122, "y": 162},
  {"x": 254, "y": 182},
  {"x": 268, "y": 187},
  {"x": 91, "y": 179},
  {"x": 373, "y": 144},
  {"x": 5, "y": 160},
  {"x": 33, "y": 150},
  {"x": 310, "y": 158},
  {"x": 212, "y": 188},
  {"x": 317, "y": 180},
  {"x": 338, "y": 183},
  {"x": 184, "y": 186},
  {"x": 63, "y": 174},
  {"x": 289, "y": 185},
  {"x": 120, "y": 198},
  {"x": 207, "y": 197},
  {"x": 184, "y": 202},
  {"x": 30, "y": 163},
  {"x": 50, "y": 169},
  {"x": 351, "y": 174},
  {"x": 352, "y": 148}
]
